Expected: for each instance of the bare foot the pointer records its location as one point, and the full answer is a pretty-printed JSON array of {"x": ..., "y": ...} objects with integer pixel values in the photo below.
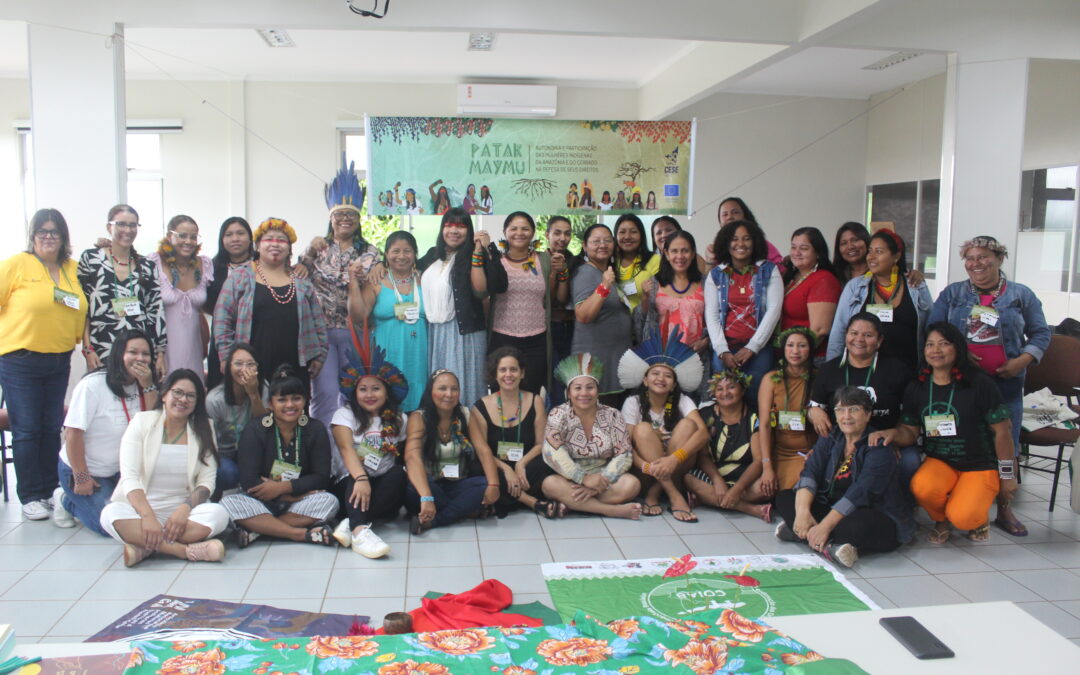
[{"x": 631, "y": 511}]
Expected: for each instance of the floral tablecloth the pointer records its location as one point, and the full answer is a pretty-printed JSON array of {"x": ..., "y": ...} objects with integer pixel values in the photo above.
[{"x": 711, "y": 642}]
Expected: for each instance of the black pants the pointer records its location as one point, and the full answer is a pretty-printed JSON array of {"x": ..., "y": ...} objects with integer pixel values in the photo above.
[
  {"x": 387, "y": 496},
  {"x": 534, "y": 350},
  {"x": 869, "y": 530},
  {"x": 536, "y": 471}
]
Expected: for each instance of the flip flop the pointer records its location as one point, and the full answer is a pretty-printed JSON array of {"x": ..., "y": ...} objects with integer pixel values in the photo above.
[
  {"x": 649, "y": 510},
  {"x": 546, "y": 508},
  {"x": 939, "y": 537},
  {"x": 980, "y": 534},
  {"x": 1013, "y": 527},
  {"x": 691, "y": 519}
]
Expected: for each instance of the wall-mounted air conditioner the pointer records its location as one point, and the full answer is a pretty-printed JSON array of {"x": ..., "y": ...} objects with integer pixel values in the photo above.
[{"x": 507, "y": 100}]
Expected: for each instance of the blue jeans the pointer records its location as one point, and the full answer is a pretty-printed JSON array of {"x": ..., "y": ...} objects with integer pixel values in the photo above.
[
  {"x": 87, "y": 508},
  {"x": 756, "y": 368},
  {"x": 228, "y": 473},
  {"x": 34, "y": 386},
  {"x": 454, "y": 499}
]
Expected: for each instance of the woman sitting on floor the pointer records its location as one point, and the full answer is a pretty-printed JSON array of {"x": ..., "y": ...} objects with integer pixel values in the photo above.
[
  {"x": 240, "y": 398},
  {"x": 168, "y": 465},
  {"x": 588, "y": 446},
  {"x": 728, "y": 473},
  {"x": 665, "y": 442},
  {"x": 967, "y": 437},
  {"x": 787, "y": 438},
  {"x": 284, "y": 471},
  {"x": 449, "y": 478},
  {"x": 101, "y": 407},
  {"x": 848, "y": 499},
  {"x": 369, "y": 430},
  {"x": 515, "y": 439}
]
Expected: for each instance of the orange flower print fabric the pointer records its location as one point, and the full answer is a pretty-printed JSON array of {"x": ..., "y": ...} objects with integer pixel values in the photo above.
[{"x": 574, "y": 652}]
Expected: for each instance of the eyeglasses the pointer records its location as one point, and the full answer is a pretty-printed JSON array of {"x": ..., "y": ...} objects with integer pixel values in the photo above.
[
  {"x": 346, "y": 215},
  {"x": 184, "y": 236},
  {"x": 122, "y": 224},
  {"x": 47, "y": 234},
  {"x": 186, "y": 395},
  {"x": 848, "y": 410},
  {"x": 245, "y": 364}
]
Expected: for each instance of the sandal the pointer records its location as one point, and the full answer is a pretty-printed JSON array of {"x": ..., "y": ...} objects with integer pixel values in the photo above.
[
  {"x": 319, "y": 533},
  {"x": 546, "y": 508},
  {"x": 1011, "y": 526},
  {"x": 691, "y": 519},
  {"x": 649, "y": 510},
  {"x": 940, "y": 534},
  {"x": 980, "y": 534}
]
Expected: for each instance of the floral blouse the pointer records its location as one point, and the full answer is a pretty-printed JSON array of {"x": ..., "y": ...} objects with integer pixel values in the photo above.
[
  {"x": 330, "y": 275},
  {"x": 99, "y": 282},
  {"x": 574, "y": 456}
]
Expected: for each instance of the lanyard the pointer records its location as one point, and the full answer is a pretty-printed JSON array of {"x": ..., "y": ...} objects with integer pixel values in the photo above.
[
  {"x": 295, "y": 444},
  {"x": 948, "y": 405},
  {"x": 503, "y": 420},
  {"x": 62, "y": 272},
  {"x": 869, "y": 374},
  {"x": 415, "y": 291},
  {"x": 142, "y": 404}
]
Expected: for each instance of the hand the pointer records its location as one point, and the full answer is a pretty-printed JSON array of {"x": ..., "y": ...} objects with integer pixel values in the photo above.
[
  {"x": 143, "y": 375},
  {"x": 596, "y": 482},
  {"x": 356, "y": 271},
  {"x": 249, "y": 380},
  {"x": 820, "y": 419},
  {"x": 728, "y": 359},
  {"x": 743, "y": 355},
  {"x": 314, "y": 367},
  {"x": 818, "y": 537},
  {"x": 710, "y": 259},
  {"x": 177, "y": 523},
  {"x": 803, "y": 522},
  {"x": 397, "y": 185},
  {"x": 558, "y": 263},
  {"x": 1012, "y": 367},
  {"x": 522, "y": 480},
  {"x": 86, "y": 488},
  {"x": 93, "y": 361},
  {"x": 317, "y": 246},
  {"x": 720, "y": 489},
  {"x": 881, "y": 437},
  {"x": 582, "y": 493},
  {"x": 159, "y": 365},
  {"x": 152, "y": 532},
  {"x": 361, "y": 495},
  {"x": 300, "y": 271},
  {"x": 662, "y": 468},
  {"x": 734, "y": 494},
  {"x": 608, "y": 280},
  {"x": 482, "y": 239},
  {"x": 376, "y": 274},
  {"x": 512, "y": 485},
  {"x": 1007, "y": 489},
  {"x": 269, "y": 490},
  {"x": 427, "y": 512},
  {"x": 491, "y": 495},
  {"x": 768, "y": 480},
  {"x": 648, "y": 286},
  {"x": 915, "y": 277}
]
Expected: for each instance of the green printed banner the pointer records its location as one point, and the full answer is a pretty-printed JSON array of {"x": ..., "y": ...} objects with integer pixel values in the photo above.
[
  {"x": 425, "y": 165},
  {"x": 672, "y": 589}
]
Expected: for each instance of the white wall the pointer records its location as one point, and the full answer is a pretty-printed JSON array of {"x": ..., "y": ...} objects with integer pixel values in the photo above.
[
  {"x": 903, "y": 139},
  {"x": 14, "y": 105}
]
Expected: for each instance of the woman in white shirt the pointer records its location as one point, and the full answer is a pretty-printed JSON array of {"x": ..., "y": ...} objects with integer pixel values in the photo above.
[{"x": 168, "y": 468}]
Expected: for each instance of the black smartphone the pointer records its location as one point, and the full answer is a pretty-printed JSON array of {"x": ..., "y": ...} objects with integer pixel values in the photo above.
[{"x": 913, "y": 635}]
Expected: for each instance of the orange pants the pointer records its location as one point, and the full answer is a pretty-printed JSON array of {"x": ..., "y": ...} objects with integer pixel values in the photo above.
[{"x": 961, "y": 497}]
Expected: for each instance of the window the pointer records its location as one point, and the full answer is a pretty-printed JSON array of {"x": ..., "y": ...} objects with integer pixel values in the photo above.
[{"x": 1045, "y": 244}]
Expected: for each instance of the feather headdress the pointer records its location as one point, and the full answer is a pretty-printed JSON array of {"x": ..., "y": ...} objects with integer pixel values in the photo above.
[
  {"x": 345, "y": 192},
  {"x": 368, "y": 359},
  {"x": 663, "y": 351},
  {"x": 579, "y": 365}
]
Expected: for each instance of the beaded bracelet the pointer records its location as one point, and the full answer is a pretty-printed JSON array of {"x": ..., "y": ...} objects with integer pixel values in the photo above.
[
  {"x": 681, "y": 455},
  {"x": 563, "y": 276},
  {"x": 645, "y": 467},
  {"x": 427, "y": 499},
  {"x": 603, "y": 291},
  {"x": 83, "y": 477}
]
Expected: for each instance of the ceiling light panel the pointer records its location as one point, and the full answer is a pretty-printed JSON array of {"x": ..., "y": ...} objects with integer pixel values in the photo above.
[
  {"x": 481, "y": 42},
  {"x": 276, "y": 37}
]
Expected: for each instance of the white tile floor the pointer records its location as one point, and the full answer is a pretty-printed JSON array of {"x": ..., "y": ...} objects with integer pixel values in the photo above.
[{"x": 64, "y": 585}]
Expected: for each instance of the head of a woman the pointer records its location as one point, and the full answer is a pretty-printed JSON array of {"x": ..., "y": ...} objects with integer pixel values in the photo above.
[
  {"x": 273, "y": 242},
  {"x": 583, "y": 392},
  {"x": 886, "y": 251},
  {"x": 660, "y": 381},
  {"x": 734, "y": 208},
  {"x": 505, "y": 369},
  {"x": 288, "y": 395},
  {"x": 132, "y": 351},
  {"x": 234, "y": 241},
  {"x": 573, "y": 188},
  {"x": 982, "y": 258},
  {"x": 863, "y": 337},
  {"x": 796, "y": 346},
  {"x": 455, "y": 231},
  {"x": 598, "y": 245},
  {"x": 662, "y": 228},
  {"x": 519, "y": 230},
  {"x": 183, "y": 235},
  {"x": 410, "y": 198},
  {"x": 371, "y": 398},
  {"x": 850, "y": 246},
  {"x": 586, "y": 194},
  {"x": 442, "y": 198},
  {"x": 559, "y": 232},
  {"x": 49, "y": 236},
  {"x": 605, "y": 198},
  {"x": 650, "y": 201},
  {"x": 240, "y": 364},
  {"x": 122, "y": 225},
  {"x": 400, "y": 252},
  {"x": 344, "y": 223},
  {"x": 728, "y": 388},
  {"x": 740, "y": 243},
  {"x": 441, "y": 400},
  {"x": 853, "y": 408},
  {"x": 183, "y": 397},
  {"x": 945, "y": 349},
  {"x": 809, "y": 250},
  {"x": 680, "y": 257},
  {"x": 471, "y": 191},
  {"x": 635, "y": 200},
  {"x": 630, "y": 236},
  {"x": 485, "y": 192}
]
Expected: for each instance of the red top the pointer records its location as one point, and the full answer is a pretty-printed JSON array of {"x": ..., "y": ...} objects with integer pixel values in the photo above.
[
  {"x": 820, "y": 286},
  {"x": 984, "y": 340},
  {"x": 740, "y": 323}
]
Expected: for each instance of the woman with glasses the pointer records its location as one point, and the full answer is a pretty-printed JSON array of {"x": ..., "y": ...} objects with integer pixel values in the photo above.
[
  {"x": 122, "y": 289},
  {"x": 42, "y": 316},
  {"x": 183, "y": 276},
  {"x": 240, "y": 398}
]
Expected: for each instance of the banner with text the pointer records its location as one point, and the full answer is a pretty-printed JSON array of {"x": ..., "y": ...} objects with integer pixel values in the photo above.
[{"x": 425, "y": 165}]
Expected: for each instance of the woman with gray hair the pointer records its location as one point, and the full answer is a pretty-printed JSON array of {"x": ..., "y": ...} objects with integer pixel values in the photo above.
[
  {"x": 848, "y": 498},
  {"x": 1005, "y": 329}
]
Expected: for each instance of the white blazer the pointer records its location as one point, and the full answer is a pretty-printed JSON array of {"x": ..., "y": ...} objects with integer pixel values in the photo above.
[{"x": 139, "y": 449}]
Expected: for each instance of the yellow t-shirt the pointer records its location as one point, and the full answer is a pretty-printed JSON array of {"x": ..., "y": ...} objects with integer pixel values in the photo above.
[
  {"x": 30, "y": 317},
  {"x": 638, "y": 274}
]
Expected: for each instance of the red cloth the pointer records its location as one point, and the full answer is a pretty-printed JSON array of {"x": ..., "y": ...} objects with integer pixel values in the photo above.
[
  {"x": 478, "y": 608},
  {"x": 821, "y": 286}
]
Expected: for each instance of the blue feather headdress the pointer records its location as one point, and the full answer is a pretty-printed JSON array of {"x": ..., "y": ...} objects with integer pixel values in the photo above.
[
  {"x": 663, "y": 351},
  {"x": 344, "y": 192},
  {"x": 368, "y": 359}
]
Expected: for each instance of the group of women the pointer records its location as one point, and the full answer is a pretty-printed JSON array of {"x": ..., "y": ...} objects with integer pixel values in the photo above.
[{"x": 356, "y": 381}]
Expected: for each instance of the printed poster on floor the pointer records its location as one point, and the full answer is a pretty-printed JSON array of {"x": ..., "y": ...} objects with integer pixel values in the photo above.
[{"x": 425, "y": 165}]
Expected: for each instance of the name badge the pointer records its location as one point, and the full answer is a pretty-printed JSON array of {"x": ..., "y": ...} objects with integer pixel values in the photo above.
[
  {"x": 988, "y": 315},
  {"x": 284, "y": 470},
  {"x": 126, "y": 307},
  {"x": 66, "y": 298},
  {"x": 372, "y": 462},
  {"x": 510, "y": 451},
  {"x": 792, "y": 420},
  {"x": 882, "y": 312},
  {"x": 629, "y": 287},
  {"x": 940, "y": 425},
  {"x": 450, "y": 471},
  {"x": 409, "y": 312}
]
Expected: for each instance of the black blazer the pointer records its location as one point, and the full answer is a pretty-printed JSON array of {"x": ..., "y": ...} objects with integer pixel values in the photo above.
[
  {"x": 469, "y": 309},
  {"x": 257, "y": 451}
]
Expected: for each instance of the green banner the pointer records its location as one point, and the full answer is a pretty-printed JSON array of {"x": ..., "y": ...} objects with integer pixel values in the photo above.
[
  {"x": 424, "y": 165},
  {"x": 753, "y": 586}
]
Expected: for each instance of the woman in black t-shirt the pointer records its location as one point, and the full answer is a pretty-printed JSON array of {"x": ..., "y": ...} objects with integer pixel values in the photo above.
[{"x": 967, "y": 437}]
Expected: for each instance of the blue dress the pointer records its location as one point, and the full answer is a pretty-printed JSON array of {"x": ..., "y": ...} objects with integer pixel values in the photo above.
[{"x": 406, "y": 344}]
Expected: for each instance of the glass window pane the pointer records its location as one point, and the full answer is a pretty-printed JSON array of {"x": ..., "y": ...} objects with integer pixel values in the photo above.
[
  {"x": 356, "y": 151},
  {"x": 926, "y": 255},
  {"x": 144, "y": 152},
  {"x": 893, "y": 205}
]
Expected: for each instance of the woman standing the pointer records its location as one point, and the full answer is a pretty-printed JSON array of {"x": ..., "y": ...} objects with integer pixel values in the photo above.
[
  {"x": 533, "y": 279},
  {"x": 449, "y": 478},
  {"x": 167, "y": 469},
  {"x": 811, "y": 290},
  {"x": 734, "y": 208},
  {"x": 471, "y": 201},
  {"x": 183, "y": 276},
  {"x": 1005, "y": 331},
  {"x": 603, "y": 325},
  {"x": 234, "y": 250},
  {"x": 637, "y": 266},
  {"x": 453, "y": 286},
  {"x": 102, "y": 404},
  {"x": 743, "y": 301},
  {"x": 122, "y": 289},
  {"x": 440, "y": 202},
  {"x": 396, "y": 306},
  {"x": 42, "y": 316},
  {"x": 268, "y": 307},
  {"x": 240, "y": 398},
  {"x": 487, "y": 203},
  {"x": 787, "y": 438},
  {"x": 966, "y": 434},
  {"x": 509, "y": 425},
  {"x": 901, "y": 307},
  {"x": 676, "y": 301}
]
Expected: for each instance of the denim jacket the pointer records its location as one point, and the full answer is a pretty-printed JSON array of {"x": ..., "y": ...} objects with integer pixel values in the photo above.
[
  {"x": 851, "y": 303},
  {"x": 1023, "y": 326},
  {"x": 767, "y": 283},
  {"x": 875, "y": 480}
]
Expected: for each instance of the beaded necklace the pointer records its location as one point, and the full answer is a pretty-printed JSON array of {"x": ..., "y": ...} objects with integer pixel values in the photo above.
[{"x": 279, "y": 299}]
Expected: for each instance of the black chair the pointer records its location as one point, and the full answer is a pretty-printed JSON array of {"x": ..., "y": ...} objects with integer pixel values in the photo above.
[
  {"x": 1060, "y": 371},
  {"x": 7, "y": 455}
]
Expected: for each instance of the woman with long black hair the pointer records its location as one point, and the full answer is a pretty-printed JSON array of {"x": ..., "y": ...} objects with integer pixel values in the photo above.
[
  {"x": 235, "y": 249},
  {"x": 811, "y": 289}
]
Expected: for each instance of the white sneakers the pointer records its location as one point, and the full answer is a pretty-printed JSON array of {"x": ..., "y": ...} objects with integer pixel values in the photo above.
[
  {"x": 365, "y": 542},
  {"x": 39, "y": 509},
  {"x": 61, "y": 517},
  {"x": 343, "y": 534}
]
